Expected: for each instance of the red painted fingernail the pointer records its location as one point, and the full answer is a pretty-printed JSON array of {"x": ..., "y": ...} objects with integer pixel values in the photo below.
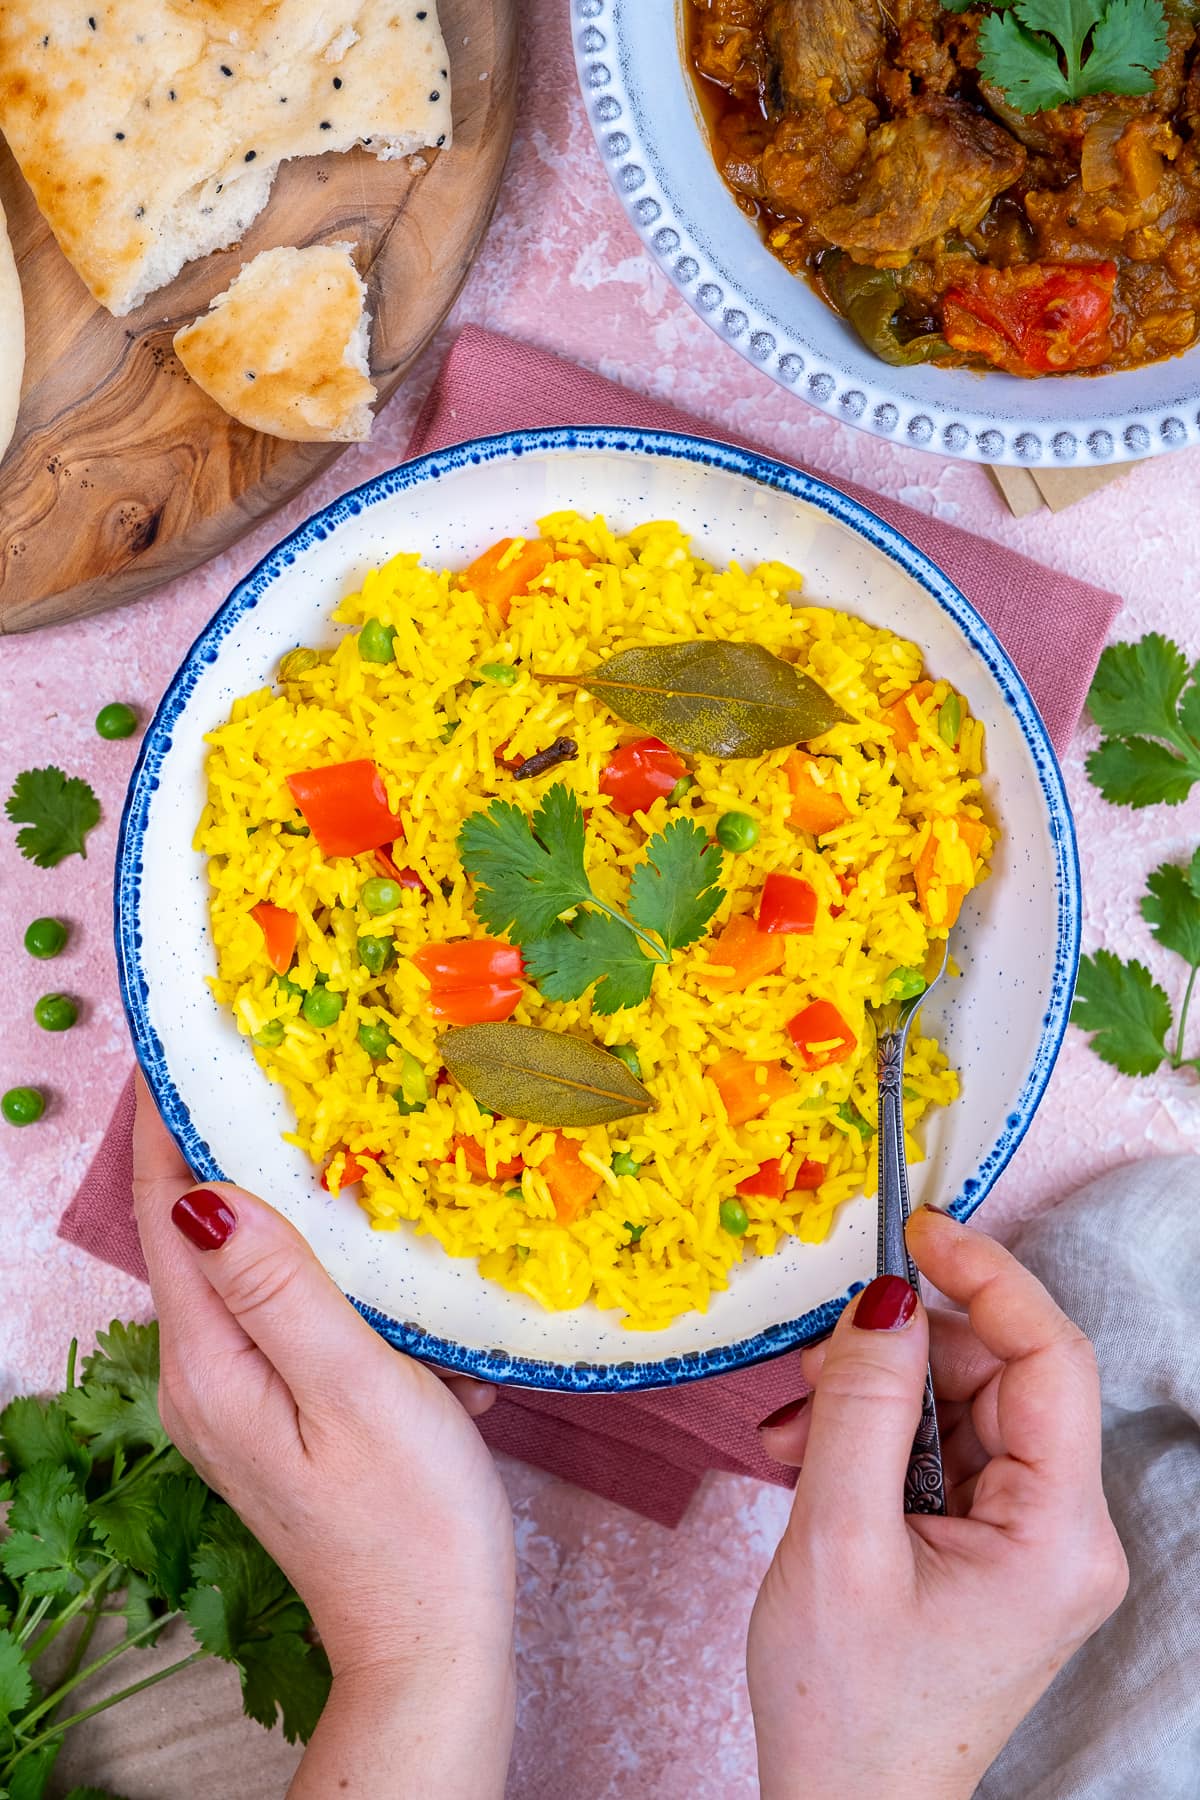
[
  {"x": 886, "y": 1304},
  {"x": 784, "y": 1415},
  {"x": 205, "y": 1219}
]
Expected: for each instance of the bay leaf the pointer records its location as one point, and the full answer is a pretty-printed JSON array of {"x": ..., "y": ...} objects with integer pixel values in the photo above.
[
  {"x": 548, "y": 1077},
  {"x": 717, "y": 698}
]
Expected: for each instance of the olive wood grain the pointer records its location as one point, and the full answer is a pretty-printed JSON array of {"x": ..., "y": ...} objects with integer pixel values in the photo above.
[{"x": 122, "y": 473}]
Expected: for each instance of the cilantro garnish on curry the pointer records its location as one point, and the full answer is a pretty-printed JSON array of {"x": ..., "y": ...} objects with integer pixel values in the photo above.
[{"x": 1011, "y": 186}]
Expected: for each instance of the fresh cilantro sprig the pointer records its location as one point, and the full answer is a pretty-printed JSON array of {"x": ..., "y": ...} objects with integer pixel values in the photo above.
[
  {"x": 529, "y": 872},
  {"x": 106, "y": 1520},
  {"x": 57, "y": 811},
  {"x": 1044, "y": 53},
  {"x": 1145, "y": 698},
  {"x": 1127, "y": 1013}
]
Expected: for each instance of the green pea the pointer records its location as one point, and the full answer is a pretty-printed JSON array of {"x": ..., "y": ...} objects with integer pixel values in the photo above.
[
  {"x": 23, "y": 1105},
  {"x": 910, "y": 1092},
  {"x": 376, "y": 1040},
  {"x": 849, "y": 1114},
  {"x": 448, "y": 730},
  {"x": 950, "y": 720},
  {"x": 502, "y": 674},
  {"x": 682, "y": 786},
  {"x": 624, "y": 1164},
  {"x": 628, "y": 1055},
  {"x": 635, "y": 1232},
  {"x": 287, "y": 986},
  {"x": 55, "y": 1012},
  {"x": 116, "y": 721},
  {"x": 407, "y": 1107},
  {"x": 380, "y": 895},
  {"x": 522, "y": 1252},
  {"x": 322, "y": 1007},
  {"x": 904, "y": 984},
  {"x": 375, "y": 641},
  {"x": 514, "y": 1194},
  {"x": 376, "y": 954},
  {"x": 734, "y": 1217},
  {"x": 294, "y": 830},
  {"x": 45, "y": 938},
  {"x": 736, "y": 831},
  {"x": 270, "y": 1036}
]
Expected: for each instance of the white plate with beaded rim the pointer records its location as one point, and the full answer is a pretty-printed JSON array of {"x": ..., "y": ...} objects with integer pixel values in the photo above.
[
  {"x": 646, "y": 118},
  {"x": 1018, "y": 941}
]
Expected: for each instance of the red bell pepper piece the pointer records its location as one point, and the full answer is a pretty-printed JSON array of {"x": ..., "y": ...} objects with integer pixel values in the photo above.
[
  {"x": 472, "y": 982},
  {"x": 788, "y": 905},
  {"x": 485, "y": 1004},
  {"x": 407, "y": 878},
  {"x": 809, "y": 1176},
  {"x": 1034, "y": 318},
  {"x": 280, "y": 929},
  {"x": 821, "y": 1035},
  {"x": 353, "y": 1169},
  {"x": 766, "y": 1180},
  {"x": 476, "y": 1160},
  {"x": 345, "y": 806},
  {"x": 639, "y": 774}
]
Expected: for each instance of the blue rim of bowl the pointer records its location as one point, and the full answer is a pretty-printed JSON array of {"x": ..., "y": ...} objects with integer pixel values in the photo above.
[
  {"x": 495, "y": 1364},
  {"x": 855, "y": 389}
]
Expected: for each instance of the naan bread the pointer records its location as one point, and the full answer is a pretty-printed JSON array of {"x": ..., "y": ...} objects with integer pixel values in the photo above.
[
  {"x": 284, "y": 348},
  {"x": 12, "y": 339},
  {"x": 150, "y": 130}
]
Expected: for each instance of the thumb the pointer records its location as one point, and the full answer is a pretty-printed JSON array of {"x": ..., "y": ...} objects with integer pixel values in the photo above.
[
  {"x": 276, "y": 1291},
  {"x": 865, "y": 1414}
]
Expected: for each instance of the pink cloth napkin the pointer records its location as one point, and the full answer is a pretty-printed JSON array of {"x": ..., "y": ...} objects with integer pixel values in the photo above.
[{"x": 650, "y": 1451}]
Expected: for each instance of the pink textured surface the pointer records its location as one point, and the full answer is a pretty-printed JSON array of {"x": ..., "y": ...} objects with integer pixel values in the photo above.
[{"x": 616, "y": 1614}]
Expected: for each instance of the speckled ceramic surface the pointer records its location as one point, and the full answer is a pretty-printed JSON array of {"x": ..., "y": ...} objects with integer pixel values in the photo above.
[
  {"x": 1019, "y": 938},
  {"x": 648, "y": 127}
]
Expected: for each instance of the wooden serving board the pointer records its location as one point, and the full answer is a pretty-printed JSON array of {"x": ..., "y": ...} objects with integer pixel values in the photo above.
[{"x": 122, "y": 473}]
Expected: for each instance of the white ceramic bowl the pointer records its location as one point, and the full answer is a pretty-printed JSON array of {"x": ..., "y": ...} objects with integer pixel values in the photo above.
[
  {"x": 1017, "y": 943},
  {"x": 643, "y": 109}
]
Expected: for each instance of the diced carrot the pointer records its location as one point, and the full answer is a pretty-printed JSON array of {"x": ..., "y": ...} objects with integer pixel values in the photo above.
[
  {"x": 938, "y": 868},
  {"x": 766, "y": 1180},
  {"x": 476, "y": 1160},
  {"x": 743, "y": 1094},
  {"x": 743, "y": 954},
  {"x": 900, "y": 718},
  {"x": 280, "y": 929},
  {"x": 506, "y": 570},
  {"x": 572, "y": 1183},
  {"x": 816, "y": 808},
  {"x": 353, "y": 1169},
  {"x": 809, "y": 1176}
]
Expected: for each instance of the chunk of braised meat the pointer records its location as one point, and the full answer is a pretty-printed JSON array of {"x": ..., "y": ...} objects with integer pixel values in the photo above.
[
  {"x": 728, "y": 47},
  {"x": 937, "y": 170},
  {"x": 824, "y": 49},
  {"x": 808, "y": 165}
]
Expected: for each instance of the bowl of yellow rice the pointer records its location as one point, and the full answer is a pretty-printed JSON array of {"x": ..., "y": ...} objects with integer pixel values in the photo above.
[{"x": 515, "y": 870}]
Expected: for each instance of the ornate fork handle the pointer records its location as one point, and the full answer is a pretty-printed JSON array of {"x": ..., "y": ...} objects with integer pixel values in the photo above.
[{"x": 924, "y": 1486}]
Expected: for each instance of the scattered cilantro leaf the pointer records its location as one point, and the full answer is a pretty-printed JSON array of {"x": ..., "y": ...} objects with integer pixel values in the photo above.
[
  {"x": 116, "y": 1404},
  {"x": 1172, "y": 911},
  {"x": 593, "y": 948},
  {"x": 287, "y": 1676},
  {"x": 1146, "y": 700},
  {"x": 1126, "y": 1012},
  {"x": 56, "y": 811},
  {"x": 16, "y": 1682},
  {"x": 182, "y": 1501},
  {"x": 138, "y": 1608},
  {"x": 528, "y": 872},
  {"x": 1044, "y": 53},
  {"x": 674, "y": 893},
  {"x": 33, "y": 1431},
  {"x": 125, "y": 1526}
]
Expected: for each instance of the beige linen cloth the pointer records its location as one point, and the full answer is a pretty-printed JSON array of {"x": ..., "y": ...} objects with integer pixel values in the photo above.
[{"x": 1121, "y": 1722}]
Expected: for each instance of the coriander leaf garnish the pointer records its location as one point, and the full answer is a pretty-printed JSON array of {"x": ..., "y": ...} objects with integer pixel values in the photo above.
[
  {"x": 674, "y": 892},
  {"x": 1045, "y": 53},
  {"x": 57, "y": 812},
  {"x": 1146, "y": 701},
  {"x": 1120, "y": 1002},
  {"x": 530, "y": 871},
  {"x": 593, "y": 948},
  {"x": 1125, "y": 1010}
]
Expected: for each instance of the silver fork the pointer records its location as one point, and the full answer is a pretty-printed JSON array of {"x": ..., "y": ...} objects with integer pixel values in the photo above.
[{"x": 924, "y": 1485}]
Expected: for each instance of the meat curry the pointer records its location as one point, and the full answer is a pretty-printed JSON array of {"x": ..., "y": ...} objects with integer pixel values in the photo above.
[{"x": 945, "y": 224}]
